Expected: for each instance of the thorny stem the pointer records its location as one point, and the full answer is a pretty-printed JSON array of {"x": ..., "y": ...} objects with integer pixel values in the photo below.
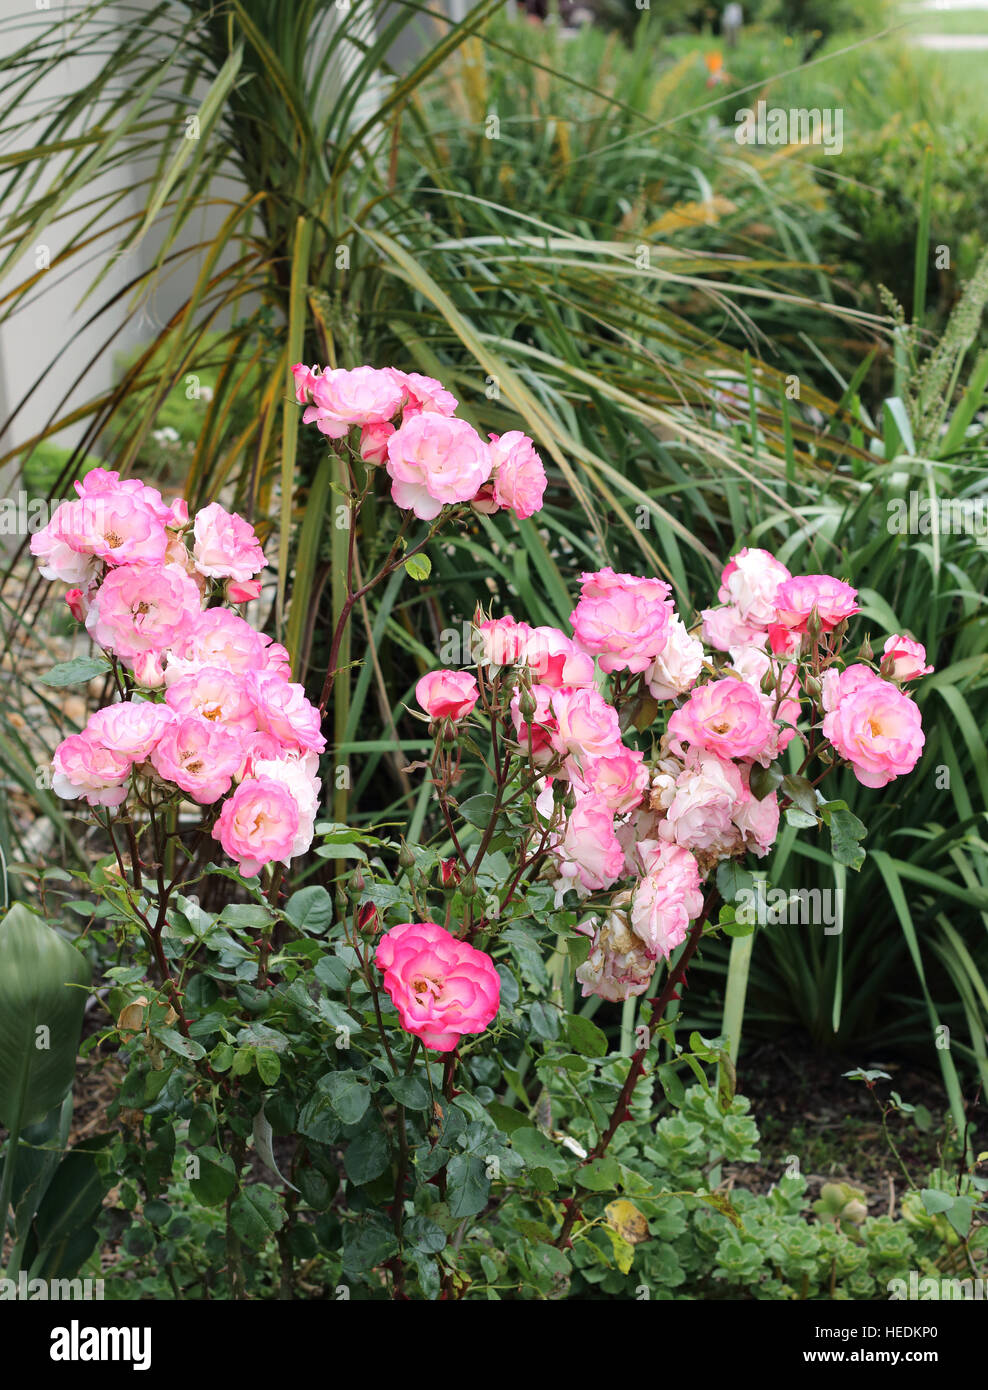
[{"x": 621, "y": 1111}]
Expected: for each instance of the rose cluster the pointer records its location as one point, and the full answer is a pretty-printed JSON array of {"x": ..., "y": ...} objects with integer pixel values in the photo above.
[
  {"x": 210, "y": 709},
  {"x": 407, "y": 422},
  {"x": 649, "y": 832}
]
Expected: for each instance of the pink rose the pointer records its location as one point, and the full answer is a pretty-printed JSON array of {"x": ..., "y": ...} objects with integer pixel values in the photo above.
[
  {"x": 130, "y": 728},
  {"x": 198, "y": 756},
  {"x": 243, "y": 591},
  {"x": 258, "y": 824},
  {"x": 904, "y": 659},
  {"x": 218, "y": 637},
  {"x": 723, "y": 629},
  {"x": 502, "y": 641},
  {"x": 586, "y": 725},
  {"x": 700, "y": 815},
  {"x": 115, "y": 526},
  {"x": 298, "y": 776},
  {"x": 56, "y": 558},
  {"x": 618, "y": 777},
  {"x": 305, "y": 380},
  {"x": 519, "y": 477},
  {"x": 281, "y": 708},
  {"x": 441, "y": 987},
  {"x": 589, "y": 855},
  {"x": 757, "y": 820},
  {"x": 872, "y": 724},
  {"x": 84, "y": 767},
  {"x": 342, "y": 399},
  {"x": 796, "y": 599},
  {"x": 619, "y": 965},
  {"x": 621, "y": 619},
  {"x": 434, "y": 461},
  {"x": 726, "y": 717},
  {"x": 143, "y": 608},
  {"x": 423, "y": 395},
  {"x": 554, "y": 659},
  {"x": 677, "y": 666},
  {"x": 539, "y": 731},
  {"x": 750, "y": 583},
  {"x": 666, "y": 900},
  {"x": 226, "y": 546},
  {"x": 78, "y": 604},
  {"x": 447, "y": 694},
  {"x": 216, "y": 695},
  {"x": 374, "y": 442}
]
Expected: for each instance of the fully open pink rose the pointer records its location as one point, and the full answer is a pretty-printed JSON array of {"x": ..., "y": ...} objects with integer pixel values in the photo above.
[
  {"x": 435, "y": 461},
  {"x": 586, "y": 725},
  {"x": 85, "y": 767},
  {"x": 727, "y": 717},
  {"x": 519, "y": 478},
  {"x": 281, "y": 708},
  {"x": 872, "y": 724},
  {"x": 619, "y": 777},
  {"x": 589, "y": 854},
  {"x": 342, "y": 399},
  {"x": 258, "y": 824},
  {"x": 143, "y": 608},
  {"x": 701, "y": 813},
  {"x": 423, "y": 395},
  {"x": 226, "y": 546},
  {"x": 750, "y": 582},
  {"x": 219, "y": 696},
  {"x": 130, "y": 728},
  {"x": 199, "y": 756},
  {"x": 798, "y": 597},
  {"x": 667, "y": 898},
  {"x": 441, "y": 987},
  {"x": 621, "y": 619},
  {"x": 447, "y": 694}
]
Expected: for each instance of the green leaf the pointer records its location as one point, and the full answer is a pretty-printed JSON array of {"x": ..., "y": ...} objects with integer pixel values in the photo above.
[
  {"x": 845, "y": 832},
  {"x": 74, "y": 672},
  {"x": 184, "y": 1047},
  {"x": 467, "y": 1186},
  {"x": 256, "y": 1214},
  {"x": 418, "y": 567},
  {"x": 310, "y": 910},
  {"x": 43, "y": 984},
  {"x": 600, "y": 1174},
  {"x": 935, "y": 1201},
  {"x": 366, "y": 1157},
  {"x": 410, "y": 1091},
  {"x": 217, "y": 1178},
  {"x": 349, "y": 1094},
  {"x": 268, "y": 1066},
  {"x": 538, "y": 1151},
  {"x": 585, "y": 1037},
  {"x": 801, "y": 793},
  {"x": 477, "y": 810},
  {"x": 73, "y": 1199}
]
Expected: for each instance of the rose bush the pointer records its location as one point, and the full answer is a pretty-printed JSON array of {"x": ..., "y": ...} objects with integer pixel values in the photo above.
[{"x": 381, "y": 1020}]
